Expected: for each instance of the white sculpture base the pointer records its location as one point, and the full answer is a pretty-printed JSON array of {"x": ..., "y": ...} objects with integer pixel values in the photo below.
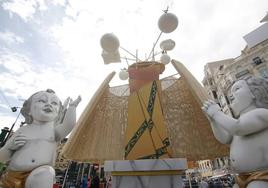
[{"x": 148, "y": 173}]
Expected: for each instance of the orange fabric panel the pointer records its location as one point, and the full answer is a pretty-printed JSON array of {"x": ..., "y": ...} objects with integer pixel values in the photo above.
[{"x": 143, "y": 73}]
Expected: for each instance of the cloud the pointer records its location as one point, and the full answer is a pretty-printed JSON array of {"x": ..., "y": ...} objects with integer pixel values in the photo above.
[
  {"x": 24, "y": 9},
  {"x": 13, "y": 62},
  {"x": 10, "y": 38},
  {"x": 14, "y": 83},
  {"x": 28, "y": 9},
  {"x": 21, "y": 79}
]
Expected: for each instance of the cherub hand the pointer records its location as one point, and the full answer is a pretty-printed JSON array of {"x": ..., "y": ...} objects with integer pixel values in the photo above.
[
  {"x": 66, "y": 102},
  {"x": 211, "y": 108},
  {"x": 75, "y": 102},
  {"x": 16, "y": 142}
]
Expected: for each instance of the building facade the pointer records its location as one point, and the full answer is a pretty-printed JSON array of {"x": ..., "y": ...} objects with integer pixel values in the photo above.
[{"x": 220, "y": 75}]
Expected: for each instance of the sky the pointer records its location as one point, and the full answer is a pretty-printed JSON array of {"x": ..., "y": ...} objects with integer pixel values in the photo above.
[{"x": 56, "y": 43}]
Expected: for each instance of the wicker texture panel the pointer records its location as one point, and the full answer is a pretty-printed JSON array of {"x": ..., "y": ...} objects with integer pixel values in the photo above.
[
  {"x": 101, "y": 134},
  {"x": 189, "y": 130}
]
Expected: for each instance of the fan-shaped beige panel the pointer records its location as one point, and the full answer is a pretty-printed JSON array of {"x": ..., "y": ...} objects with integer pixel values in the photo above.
[
  {"x": 99, "y": 133},
  {"x": 100, "y": 130}
]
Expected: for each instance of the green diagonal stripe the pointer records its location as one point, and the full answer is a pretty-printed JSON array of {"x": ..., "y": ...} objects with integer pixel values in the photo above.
[
  {"x": 150, "y": 106},
  {"x": 166, "y": 142},
  {"x": 135, "y": 137},
  {"x": 158, "y": 153},
  {"x": 150, "y": 124}
]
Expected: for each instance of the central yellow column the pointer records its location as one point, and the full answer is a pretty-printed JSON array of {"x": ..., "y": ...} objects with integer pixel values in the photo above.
[{"x": 146, "y": 134}]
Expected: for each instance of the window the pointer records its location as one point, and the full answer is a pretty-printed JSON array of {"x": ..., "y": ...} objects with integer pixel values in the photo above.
[
  {"x": 221, "y": 67},
  {"x": 210, "y": 81},
  {"x": 214, "y": 94},
  {"x": 228, "y": 83},
  {"x": 226, "y": 111},
  {"x": 257, "y": 60},
  {"x": 241, "y": 73},
  {"x": 222, "y": 101}
]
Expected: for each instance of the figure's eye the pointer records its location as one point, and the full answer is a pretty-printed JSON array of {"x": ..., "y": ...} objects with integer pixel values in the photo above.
[
  {"x": 54, "y": 103},
  {"x": 236, "y": 88},
  {"x": 41, "y": 100}
]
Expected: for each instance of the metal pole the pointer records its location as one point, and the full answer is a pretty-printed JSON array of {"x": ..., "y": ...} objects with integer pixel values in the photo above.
[
  {"x": 190, "y": 182},
  {"x": 78, "y": 178},
  {"x": 65, "y": 176},
  {"x": 135, "y": 56}
]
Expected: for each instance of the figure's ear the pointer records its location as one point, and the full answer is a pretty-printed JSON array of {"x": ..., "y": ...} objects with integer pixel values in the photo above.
[
  {"x": 255, "y": 93},
  {"x": 252, "y": 95},
  {"x": 26, "y": 111},
  {"x": 29, "y": 119}
]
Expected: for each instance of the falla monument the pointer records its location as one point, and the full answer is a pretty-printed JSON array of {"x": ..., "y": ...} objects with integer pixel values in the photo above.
[{"x": 145, "y": 132}]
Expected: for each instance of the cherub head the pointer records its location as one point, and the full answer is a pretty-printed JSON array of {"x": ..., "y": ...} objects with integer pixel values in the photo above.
[
  {"x": 250, "y": 92},
  {"x": 43, "y": 106}
]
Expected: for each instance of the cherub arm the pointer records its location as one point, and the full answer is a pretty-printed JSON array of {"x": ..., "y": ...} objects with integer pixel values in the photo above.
[
  {"x": 219, "y": 132},
  {"x": 14, "y": 143},
  {"x": 69, "y": 120},
  {"x": 5, "y": 154},
  {"x": 251, "y": 122}
]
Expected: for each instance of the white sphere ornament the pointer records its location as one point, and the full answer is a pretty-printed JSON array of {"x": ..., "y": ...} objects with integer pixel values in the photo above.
[
  {"x": 109, "y": 42},
  {"x": 167, "y": 45},
  {"x": 165, "y": 59},
  {"x": 168, "y": 22},
  {"x": 123, "y": 74}
]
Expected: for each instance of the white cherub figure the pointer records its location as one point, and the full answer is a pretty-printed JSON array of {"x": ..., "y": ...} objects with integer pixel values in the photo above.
[
  {"x": 248, "y": 134},
  {"x": 30, "y": 152}
]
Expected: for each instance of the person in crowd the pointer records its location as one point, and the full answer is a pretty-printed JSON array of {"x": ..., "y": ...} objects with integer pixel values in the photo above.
[
  {"x": 203, "y": 183},
  {"x": 85, "y": 181},
  {"x": 95, "y": 181}
]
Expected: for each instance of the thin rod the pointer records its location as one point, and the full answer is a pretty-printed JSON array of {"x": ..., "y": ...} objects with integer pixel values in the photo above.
[
  {"x": 154, "y": 45},
  {"x": 129, "y": 53},
  {"x": 127, "y": 62},
  {"x": 65, "y": 176}
]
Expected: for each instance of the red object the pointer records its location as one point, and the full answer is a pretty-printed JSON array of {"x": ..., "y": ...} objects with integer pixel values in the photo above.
[
  {"x": 142, "y": 73},
  {"x": 56, "y": 186}
]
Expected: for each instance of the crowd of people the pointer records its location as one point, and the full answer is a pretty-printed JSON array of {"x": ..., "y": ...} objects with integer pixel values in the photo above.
[
  {"x": 220, "y": 182},
  {"x": 96, "y": 182}
]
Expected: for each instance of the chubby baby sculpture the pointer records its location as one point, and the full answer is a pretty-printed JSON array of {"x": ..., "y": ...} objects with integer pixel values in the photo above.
[
  {"x": 30, "y": 152},
  {"x": 247, "y": 134}
]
